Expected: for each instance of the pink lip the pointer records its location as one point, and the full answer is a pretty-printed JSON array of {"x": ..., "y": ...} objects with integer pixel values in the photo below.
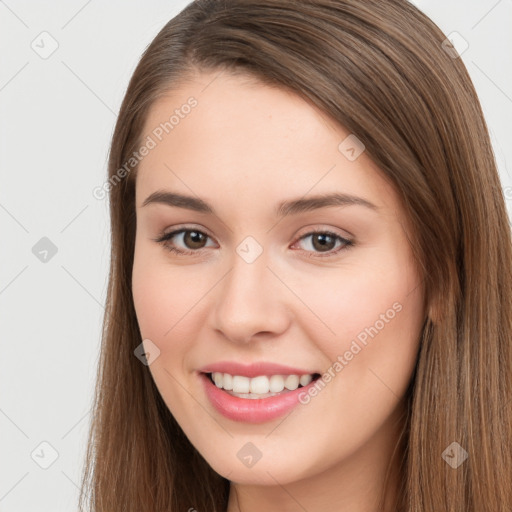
[
  {"x": 255, "y": 369},
  {"x": 249, "y": 410}
]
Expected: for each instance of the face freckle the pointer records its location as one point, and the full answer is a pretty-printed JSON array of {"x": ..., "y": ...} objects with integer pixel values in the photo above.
[{"x": 261, "y": 290}]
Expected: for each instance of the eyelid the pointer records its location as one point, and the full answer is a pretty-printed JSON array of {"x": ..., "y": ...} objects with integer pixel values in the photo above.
[
  {"x": 320, "y": 228},
  {"x": 346, "y": 242},
  {"x": 307, "y": 231},
  {"x": 185, "y": 227},
  {"x": 165, "y": 236}
]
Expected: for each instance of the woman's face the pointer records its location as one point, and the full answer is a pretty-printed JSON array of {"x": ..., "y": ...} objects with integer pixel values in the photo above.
[{"x": 271, "y": 274}]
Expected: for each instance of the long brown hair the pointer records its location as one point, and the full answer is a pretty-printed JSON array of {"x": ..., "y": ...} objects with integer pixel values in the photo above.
[{"x": 379, "y": 69}]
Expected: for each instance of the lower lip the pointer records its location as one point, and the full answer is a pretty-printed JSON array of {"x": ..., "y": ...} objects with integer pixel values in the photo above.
[{"x": 251, "y": 410}]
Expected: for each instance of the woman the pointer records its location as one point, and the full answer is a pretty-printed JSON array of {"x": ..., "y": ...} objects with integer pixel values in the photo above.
[{"x": 309, "y": 301}]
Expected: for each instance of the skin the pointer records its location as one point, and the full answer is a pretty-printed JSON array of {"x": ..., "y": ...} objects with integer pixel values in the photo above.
[{"x": 244, "y": 148}]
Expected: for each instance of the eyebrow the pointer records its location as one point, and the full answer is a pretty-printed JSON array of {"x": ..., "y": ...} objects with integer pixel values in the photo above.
[{"x": 283, "y": 209}]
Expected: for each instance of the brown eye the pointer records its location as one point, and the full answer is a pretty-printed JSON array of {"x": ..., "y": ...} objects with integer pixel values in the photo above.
[
  {"x": 325, "y": 242},
  {"x": 184, "y": 241},
  {"x": 194, "y": 239}
]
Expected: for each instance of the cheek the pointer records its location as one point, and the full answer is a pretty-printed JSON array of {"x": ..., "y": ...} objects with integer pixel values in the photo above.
[
  {"x": 163, "y": 295},
  {"x": 376, "y": 316},
  {"x": 355, "y": 296},
  {"x": 369, "y": 314},
  {"x": 154, "y": 307},
  {"x": 163, "y": 299}
]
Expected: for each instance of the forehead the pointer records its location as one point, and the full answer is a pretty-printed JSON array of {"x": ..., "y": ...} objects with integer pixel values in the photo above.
[{"x": 251, "y": 138}]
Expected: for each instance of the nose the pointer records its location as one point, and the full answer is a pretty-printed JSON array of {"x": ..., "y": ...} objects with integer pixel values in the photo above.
[{"x": 251, "y": 302}]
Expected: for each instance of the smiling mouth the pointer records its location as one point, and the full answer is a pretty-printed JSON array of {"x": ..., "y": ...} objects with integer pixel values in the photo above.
[{"x": 263, "y": 386}]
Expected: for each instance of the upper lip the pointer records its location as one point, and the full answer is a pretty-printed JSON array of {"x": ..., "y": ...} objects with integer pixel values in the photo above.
[{"x": 254, "y": 369}]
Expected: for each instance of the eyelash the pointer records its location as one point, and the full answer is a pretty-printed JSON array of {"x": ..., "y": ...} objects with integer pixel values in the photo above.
[{"x": 165, "y": 237}]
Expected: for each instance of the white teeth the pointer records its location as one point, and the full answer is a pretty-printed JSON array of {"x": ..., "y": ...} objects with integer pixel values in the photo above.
[
  {"x": 227, "y": 381},
  {"x": 276, "y": 383},
  {"x": 261, "y": 385},
  {"x": 305, "y": 380},
  {"x": 291, "y": 382},
  {"x": 241, "y": 384},
  {"x": 217, "y": 378}
]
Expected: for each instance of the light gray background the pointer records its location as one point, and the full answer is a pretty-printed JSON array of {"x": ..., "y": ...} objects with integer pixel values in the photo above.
[{"x": 56, "y": 119}]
